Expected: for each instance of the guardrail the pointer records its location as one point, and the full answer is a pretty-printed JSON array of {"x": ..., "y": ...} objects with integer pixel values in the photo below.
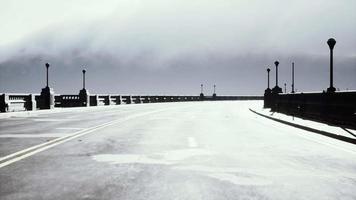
[
  {"x": 17, "y": 102},
  {"x": 337, "y": 108},
  {"x": 10, "y": 102}
]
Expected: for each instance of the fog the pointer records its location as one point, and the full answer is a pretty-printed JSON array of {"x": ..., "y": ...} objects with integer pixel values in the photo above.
[{"x": 171, "y": 47}]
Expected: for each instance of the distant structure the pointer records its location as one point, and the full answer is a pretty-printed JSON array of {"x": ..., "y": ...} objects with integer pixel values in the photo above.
[{"x": 276, "y": 88}]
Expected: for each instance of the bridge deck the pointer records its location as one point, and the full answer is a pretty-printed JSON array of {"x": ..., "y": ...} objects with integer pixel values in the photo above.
[{"x": 193, "y": 150}]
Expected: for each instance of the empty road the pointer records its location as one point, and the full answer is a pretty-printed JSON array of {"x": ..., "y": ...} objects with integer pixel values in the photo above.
[{"x": 188, "y": 150}]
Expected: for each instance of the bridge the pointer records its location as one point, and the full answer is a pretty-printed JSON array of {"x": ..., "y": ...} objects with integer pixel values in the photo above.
[
  {"x": 119, "y": 146},
  {"x": 191, "y": 150}
]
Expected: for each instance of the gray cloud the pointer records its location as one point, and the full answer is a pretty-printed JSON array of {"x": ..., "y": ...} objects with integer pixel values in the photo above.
[{"x": 173, "y": 46}]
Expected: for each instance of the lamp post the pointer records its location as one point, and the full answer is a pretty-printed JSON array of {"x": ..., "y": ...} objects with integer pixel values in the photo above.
[
  {"x": 276, "y": 63},
  {"x": 201, "y": 92},
  {"x": 331, "y": 42},
  {"x": 285, "y": 88},
  {"x": 268, "y": 70},
  {"x": 84, "y": 93},
  {"x": 276, "y": 88},
  {"x": 84, "y": 78},
  {"x": 47, "y": 94},
  {"x": 293, "y": 77},
  {"x": 47, "y": 66},
  {"x": 214, "y": 94}
]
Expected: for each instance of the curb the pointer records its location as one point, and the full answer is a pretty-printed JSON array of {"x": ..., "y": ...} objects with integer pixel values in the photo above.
[{"x": 320, "y": 132}]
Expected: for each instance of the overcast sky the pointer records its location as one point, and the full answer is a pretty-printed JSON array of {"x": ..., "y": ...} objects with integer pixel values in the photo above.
[{"x": 172, "y": 46}]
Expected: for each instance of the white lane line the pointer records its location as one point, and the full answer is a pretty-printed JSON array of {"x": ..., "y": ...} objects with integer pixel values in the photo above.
[
  {"x": 69, "y": 128},
  {"x": 9, "y": 159},
  {"x": 192, "y": 143},
  {"x": 45, "y": 135},
  {"x": 51, "y": 120}
]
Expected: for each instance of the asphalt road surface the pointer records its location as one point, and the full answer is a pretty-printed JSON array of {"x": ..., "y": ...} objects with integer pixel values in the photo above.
[{"x": 193, "y": 150}]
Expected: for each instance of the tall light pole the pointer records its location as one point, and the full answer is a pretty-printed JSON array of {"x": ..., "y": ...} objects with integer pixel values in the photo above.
[
  {"x": 84, "y": 78},
  {"x": 276, "y": 63},
  {"x": 285, "y": 88},
  {"x": 293, "y": 77},
  {"x": 201, "y": 88},
  {"x": 268, "y": 70},
  {"x": 214, "y": 88},
  {"x": 331, "y": 42},
  {"x": 276, "y": 88},
  {"x": 47, "y": 66}
]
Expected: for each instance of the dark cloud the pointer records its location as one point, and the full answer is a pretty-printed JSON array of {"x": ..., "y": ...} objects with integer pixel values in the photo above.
[{"x": 171, "y": 47}]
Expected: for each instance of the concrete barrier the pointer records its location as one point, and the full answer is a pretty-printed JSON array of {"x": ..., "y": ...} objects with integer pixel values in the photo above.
[
  {"x": 115, "y": 99},
  {"x": 136, "y": 99},
  {"x": 68, "y": 101},
  {"x": 21, "y": 102},
  {"x": 337, "y": 108},
  {"x": 145, "y": 99},
  {"x": 17, "y": 102},
  {"x": 126, "y": 99}
]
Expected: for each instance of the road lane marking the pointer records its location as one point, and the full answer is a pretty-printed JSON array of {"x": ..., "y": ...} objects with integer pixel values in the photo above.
[
  {"x": 51, "y": 120},
  {"x": 69, "y": 128},
  {"x": 192, "y": 142},
  {"x": 9, "y": 159},
  {"x": 45, "y": 135}
]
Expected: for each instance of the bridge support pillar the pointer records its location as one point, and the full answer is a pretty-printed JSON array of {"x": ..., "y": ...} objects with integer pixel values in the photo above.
[
  {"x": 84, "y": 97},
  {"x": 31, "y": 103},
  {"x": 46, "y": 98},
  {"x": 4, "y": 105}
]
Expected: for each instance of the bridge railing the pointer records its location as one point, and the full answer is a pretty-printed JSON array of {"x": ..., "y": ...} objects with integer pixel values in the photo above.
[
  {"x": 68, "y": 101},
  {"x": 335, "y": 108},
  {"x": 10, "y": 102},
  {"x": 22, "y": 102}
]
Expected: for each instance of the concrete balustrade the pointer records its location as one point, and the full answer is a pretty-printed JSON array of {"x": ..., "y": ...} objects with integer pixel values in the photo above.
[
  {"x": 126, "y": 99},
  {"x": 17, "y": 102},
  {"x": 68, "y": 101},
  {"x": 136, "y": 99},
  {"x": 338, "y": 108},
  {"x": 115, "y": 99},
  {"x": 103, "y": 100},
  {"x": 22, "y": 102},
  {"x": 145, "y": 99}
]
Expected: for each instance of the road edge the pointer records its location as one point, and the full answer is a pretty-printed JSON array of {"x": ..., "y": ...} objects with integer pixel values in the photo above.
[{"x": 320, "y": 132}]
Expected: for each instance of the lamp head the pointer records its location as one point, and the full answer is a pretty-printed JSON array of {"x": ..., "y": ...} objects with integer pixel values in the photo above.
[
  {"x": 276, "y": 63},
  {"x": 331, "y": 42}
]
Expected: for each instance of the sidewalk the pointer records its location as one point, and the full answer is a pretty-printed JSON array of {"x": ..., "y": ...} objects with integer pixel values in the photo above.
[{"x": 346, "y": 135}]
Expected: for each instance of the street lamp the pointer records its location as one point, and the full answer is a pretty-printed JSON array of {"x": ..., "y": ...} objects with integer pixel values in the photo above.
[
  {"x": 84, "y": 78},
  {"x": 293, "y": 77},
  {"x": 276, "y": 63},
  {"x": 331, "y": 42},
  {"x": 47, "y": 66},
  {"x": 268, "y": 70},
  {"x": 276, "y": 89}
]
